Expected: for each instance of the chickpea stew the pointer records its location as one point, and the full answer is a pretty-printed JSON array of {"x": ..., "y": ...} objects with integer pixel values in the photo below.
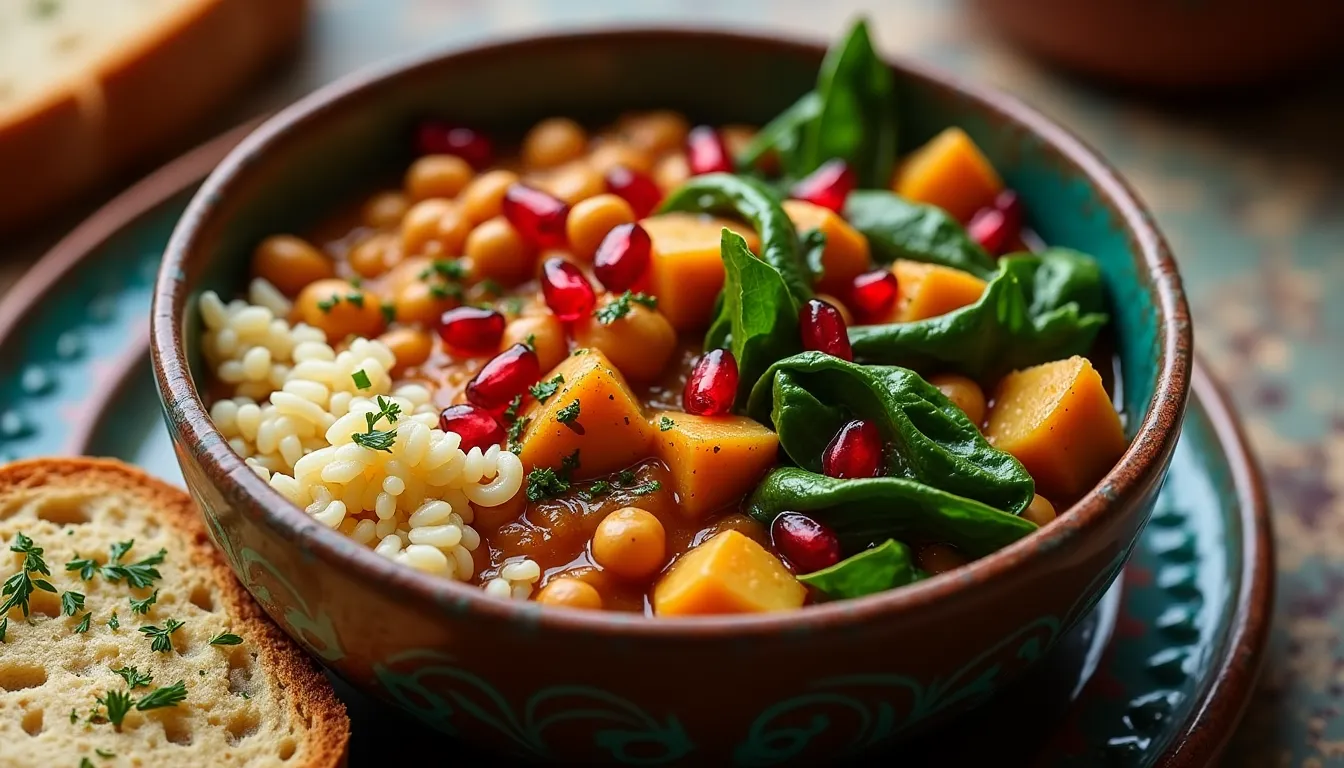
[{"x": 676, "y": 369}]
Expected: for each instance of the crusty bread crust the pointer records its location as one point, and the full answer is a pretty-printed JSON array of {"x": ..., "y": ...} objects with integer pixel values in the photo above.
[
  {"x": 134, "y": 102},
  {"x": 308, "y": 694}
]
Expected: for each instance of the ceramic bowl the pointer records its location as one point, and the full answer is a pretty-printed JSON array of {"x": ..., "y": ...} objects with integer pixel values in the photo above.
[{"x": 557, "y": 684}]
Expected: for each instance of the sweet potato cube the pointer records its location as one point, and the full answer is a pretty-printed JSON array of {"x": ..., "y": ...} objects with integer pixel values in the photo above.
[
  {"x": 730, "y": 573},
  {"x": 1058, "y": 421},
  {"x": 686, "y": 273},
  {"x": 951, "y": 173},
  {"x": 714, "y": 460},
  {"x": 846, "y": 253},
  {"x": 930, "y": 290},
  {"x": 610, "y": 432}
]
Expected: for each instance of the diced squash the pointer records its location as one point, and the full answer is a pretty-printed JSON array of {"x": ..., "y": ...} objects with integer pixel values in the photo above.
[
  {"x": 1059, "y": 422},
  {"x": 951, "y": 173},
  {"x": 846, "y": 253},
  {"x": 930, "y": 290},
  {"x": 730, "y": 573},
  {"x": 610, "y": 432},
  {"x": 686, "y": 273},
  {"x": 714, "y": 460}
]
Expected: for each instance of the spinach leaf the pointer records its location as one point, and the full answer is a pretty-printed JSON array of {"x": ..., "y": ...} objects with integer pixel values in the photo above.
[
  {"x": 759, "y": 206},
  {"x": 897, "y": 228},
  {"x": 862, "y": 512},
  {"x": 759, "y": 319},
  {"x": 886, "y": 566},
  {"x": 929, "y": 439},
  {"x": 1037, "y": 308},
  {"x": 850, "y": 115}
]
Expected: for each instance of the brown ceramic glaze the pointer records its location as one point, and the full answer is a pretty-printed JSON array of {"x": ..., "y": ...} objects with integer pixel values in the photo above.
[{"x": 557, "y": 684}]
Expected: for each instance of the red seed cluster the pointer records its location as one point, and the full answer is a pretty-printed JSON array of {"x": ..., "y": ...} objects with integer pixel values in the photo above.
[
  {"x": 623, "y": 257},
  {"x": 476, "y": 426},
  {"x": 538, "y": 216},
  {"x": 712, "y": 385},
  {"x": 855, "y": 452},
  {"x": 471, "y": 329},
  {"x": 808, "y": 545},
  {"x": 506, "y": 376},
  {"x": 873, "y": 294},
  {"x": 566, "y": 290},
  {"x": 823, "y": 329}
]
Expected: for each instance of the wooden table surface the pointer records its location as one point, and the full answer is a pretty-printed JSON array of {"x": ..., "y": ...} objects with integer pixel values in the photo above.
[{"x": 1249, "y": 190}]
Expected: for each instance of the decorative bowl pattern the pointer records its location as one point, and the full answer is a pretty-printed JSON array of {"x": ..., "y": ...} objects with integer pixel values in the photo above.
[{"x": 567, "y": 685}]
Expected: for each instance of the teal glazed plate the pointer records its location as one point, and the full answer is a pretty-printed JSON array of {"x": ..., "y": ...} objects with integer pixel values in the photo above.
[{"x": 1157, "y": 675}]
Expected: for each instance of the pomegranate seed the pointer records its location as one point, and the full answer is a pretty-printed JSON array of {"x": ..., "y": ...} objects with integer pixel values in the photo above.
[
  {"x": 506, "y": 376},
  {"x": 807, "y": 544},
  {"x": 538, "y": 216},
  {"x": 828, "y": 186},
  {"x": 824, "y": 329},
  {"x": 995, "y": 227},
  {"x": 873, "y": 293},
  {"x": 435, "y": 137},
  {"x": 568, "y": 293},
  {"x": 855, "y": 452},
  {"x": 475, "y": 425},
  {"x": 471, "y": 329},
  {"x": 712, "y": 385},
  {"x": 637, "y": 189},
  {"x": 623, "y": 257},
  {"x": 706, "y": 152}
]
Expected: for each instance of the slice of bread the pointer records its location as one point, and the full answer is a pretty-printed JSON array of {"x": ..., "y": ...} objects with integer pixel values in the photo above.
[
  {"x": 261, "y": 702},
  {"x": 89, "y": 87}
]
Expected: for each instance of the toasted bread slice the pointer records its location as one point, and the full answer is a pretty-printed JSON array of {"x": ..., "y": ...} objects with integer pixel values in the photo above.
[{"x": 260, "y": 702}]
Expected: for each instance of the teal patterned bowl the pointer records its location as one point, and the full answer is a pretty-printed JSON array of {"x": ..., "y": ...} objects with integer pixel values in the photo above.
[{"x": 555, "y": 684}]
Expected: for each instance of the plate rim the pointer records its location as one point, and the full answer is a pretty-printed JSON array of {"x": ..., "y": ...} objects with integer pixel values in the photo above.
[{"x": 1230, "y": 681}]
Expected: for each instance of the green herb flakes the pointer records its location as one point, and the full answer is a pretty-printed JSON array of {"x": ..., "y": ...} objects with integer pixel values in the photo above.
[
  {"x": 167, "y": 696},
  {"x": 87, "y": 568},
  {"x": 226, "y": 638},
  {"x": 621, "y": 305},
  {"x": 18, "y": 589},
  {"x": 664, "y": 424},
  {"x": 71, "y": 603},
  {"x": 389, "y": 311},
  {"x": 544, "y": 390},
  {"x": 568, "y": 414},
  {"x": 134, "y": 679},
  {"x": 114, "y": 623},
  {"x": 141, "y": 607},
  {"x": 117, "y": 704},
  {"x": 544, "y": 483},
  {"x": 83, "y": 625},
  {"x": 161, "y": 636},
  {"x": 361, "y": 379}
]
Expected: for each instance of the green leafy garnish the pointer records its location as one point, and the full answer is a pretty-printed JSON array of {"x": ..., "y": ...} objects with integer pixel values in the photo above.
[
  {"x": 621, "y": 305},
  {"x": 114, "y": 623},
  {"x": 515, "y": 434},
  {"x": 327, "y": 304},
  {"x": 490, "y": 287},
  {"x": 119, "y": 549},
  {"x": 161, "y": 636},
  {"x": 83, "y": 625},
  {"x": 361, "y": 379},
  {"x": 86, "y": 567},
  {"x": 18, "y": 588},
  {"x": 568, "y": 413},
  {"x": 226, "y": 638},
  {"x": 140, "y": 574},
  {"x": 644, "y": 488},
  {"x": 71, "y": 603},
  {"x": 85, "y": 762},
  {"x": 449, "y": 269},
  {"x": 596, "y": 490},
  {"x": 167, "y": 696},
  {"x": 376, "y": 440},
  {"x": 543, "y": 390},
  {"x": 883, "y": 567},
  {"x": 664, "y": 424},
  {"x": 387, "y": 409},
  {"x": 531, "y": 342},
  {"x": 141, "y": 607},
  {"x": 134, "y": 679},
  {"x": 117, "y": 704},
  {"x": 4, "y": 627},
  {"x": 74, "y": 717},
  {"x": 105, "y": 753},
  {"x": 511, "y": 413},
  {"x": 544, "y": 483},
  {"x": 513, "y": 306},
  {"x": 389, "y": 311}
]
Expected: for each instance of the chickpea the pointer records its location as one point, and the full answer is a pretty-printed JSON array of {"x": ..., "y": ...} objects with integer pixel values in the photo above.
[
  {"x": 411, "y": 347},
  {"x": 571, "y": 593},
  {"x": 590, "y": 221},
  {"x": 437, "y": 176},
  {"x": 573, "y": 182},
  {"x": 384, "y": 210},
  {"x": 630, "y": 543},
  {"x": 845, "y": 314},
  {"x": 639, "y": 344},
  {"x": 418, "y": 302},
  {"x": 499, "y": 253},
  {"x": 963, "y": 393},
  {"x": 340, "y": 310},
  {"x": 436, "y": 227},
  {"x": 290, "y": 263},
  {"x": 1040, "y": 511},
  {"x": 548, "y": 338},
  {"x": 484, "y": 197},
  {"x": 552, "y": 142},
  {"x": 938, "y": 558},
  {"x": 671, "y": 172},
  {"x": 736, "y": 138},
  {"x": 610, "y": 154},
  {"x": 655, "y": 132},
  {"x": 375, "y": 255}
]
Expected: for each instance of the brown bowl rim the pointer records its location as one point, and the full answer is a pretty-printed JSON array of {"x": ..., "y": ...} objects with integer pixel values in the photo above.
[{"x": 1153, "y": 440}]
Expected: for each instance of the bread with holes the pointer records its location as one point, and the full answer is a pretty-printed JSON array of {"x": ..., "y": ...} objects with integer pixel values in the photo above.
[
  {"x": 260, "y": 702},
  {"x": 90, "y": 87}
]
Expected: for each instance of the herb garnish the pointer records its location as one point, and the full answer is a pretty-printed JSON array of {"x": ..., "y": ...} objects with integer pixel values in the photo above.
[
  {"x": 85, "y": 762},
  {"x": 491, "y": 286},
  {"x": 328, "y": 304},
  {"x": 389, "y": 311},
  {"x": 376, "y": 440},
  {"x": 118, "y": 704},
  {"x": 167, "y": 696},
  {"x": 74, "y": 717},
  {"x": 361, "y": 379},
  {"x": 621, "y": 305},
  {"x": 140, "y": 574},
  {"x": 114, "y": 623},
  {"x": 19, "y": 587},
  {"x": 83, "y": 625},
  {"x": 161, "y": 636},
  {"x": 543, "y": 483},
  {"x": 141, "y": 607},
  {"x": 449, "y": 269},
  {"x": 440, "y": 291},
  {"x": 664, "y": 424},
  {"x": 355, "y": 298},
  {"x": 4, "y": 627},
  {"x": 86, "y": 567},
  {"x": 226, "y": 638},
  {"x": 515, "y": 434},
  {"x": 543, "y": 390},
  {"x": 133, "y": 677},
  {"x": 531, "y": 342},
  {"x": 105, "y": 753},
  {"x": 568, "y": 414},
  {"x": 71, "y": 603},
  {"x": 511, "y": 413}
]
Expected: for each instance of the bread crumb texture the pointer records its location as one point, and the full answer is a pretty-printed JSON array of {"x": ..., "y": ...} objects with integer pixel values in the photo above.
[{"x": 260, "y": 702}]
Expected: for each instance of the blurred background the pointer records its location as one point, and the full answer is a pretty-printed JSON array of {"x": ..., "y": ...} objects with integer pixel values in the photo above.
[{"x": 1226, "y": 116}]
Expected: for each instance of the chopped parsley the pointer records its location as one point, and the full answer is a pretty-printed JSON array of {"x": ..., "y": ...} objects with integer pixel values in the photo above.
[
  {"x": 18, "y": 588},
  {"x": 440, "y": 291},
  {"x": 665, "y": 424},
  {"x": 361, "y": 379},
  {"x": 355, "y": 298},
  {"x": 85, "y": 762},
  {"x": 117, "y": 704},
  {"x": 389, "y": 311},
  {"x": 71, "y": 603},
  {"x": 140, "y": 574},
  {"x": 644, "y": 488},
  {"x": 226, "y": 638},
  {"x": 167, "y": 696},
  {"x": 515, "y": 434},
  {"x": 625, "y": 481},
  {"x": 83, "y": 625},
  {"x": 511, "y": 413},
  {"x": 544, "y": 390},
  {"x": 86, "y": 567},
  {"x": 376, "y": 440},
  {"x": 513, "y": 306},
  {"x": 579, "y": 351},
  {"x": 141, "y": 607},
  {"x": 161, "y": 635},
  {"x": 449, "y": 269},
  {"x": 114, "y": 623},
  {"x": 119, "y": 549},
  {"x": 544, "y": 483},
  {"x": 568, "y": 414},
  {"x": 328, "y": 304},
  {"x": 74, "y": 717},
  {"x": 531, "y": 342},
  {"x": 105, "y": 753},
  {"x": 4, "y": 627},
  {"x": 621, "y": 305},
  {"x": 133, "y": 677},
  {"x": 595, "y": 491},
  {"x": 491, "y": 287}
]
